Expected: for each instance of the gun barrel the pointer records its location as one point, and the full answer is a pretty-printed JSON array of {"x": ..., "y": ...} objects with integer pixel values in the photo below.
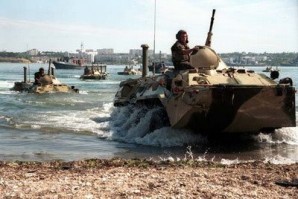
[
  {"x": 208, "y": 40},
  {"x": 212, "y": 19}
]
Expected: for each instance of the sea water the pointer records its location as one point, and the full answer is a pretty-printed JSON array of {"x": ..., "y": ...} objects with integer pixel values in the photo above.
[{"x": 76, "y": 126}]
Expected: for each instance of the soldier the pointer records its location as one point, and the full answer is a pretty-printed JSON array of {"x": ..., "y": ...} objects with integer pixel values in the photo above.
[
  {"x": 181, "y": 52},
  {"x": 38, "y": 75},
  {"x": 86, "y": 71}
]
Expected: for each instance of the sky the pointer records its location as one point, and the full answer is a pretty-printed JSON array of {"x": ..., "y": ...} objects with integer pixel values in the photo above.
[{"x": 62, "y": 25}]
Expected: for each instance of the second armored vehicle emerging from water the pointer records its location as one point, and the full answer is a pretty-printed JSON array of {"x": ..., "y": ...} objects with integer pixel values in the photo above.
[
  {"x": 48, "y": 84},
  {"x": 95, "y": 72},
  {"x": 214, "y": 98}
]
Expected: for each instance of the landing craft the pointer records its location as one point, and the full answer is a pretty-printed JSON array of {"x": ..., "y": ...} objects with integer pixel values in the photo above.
[
  {"x": 48, "y": 84},
  {"x": 214, "y": 98}
]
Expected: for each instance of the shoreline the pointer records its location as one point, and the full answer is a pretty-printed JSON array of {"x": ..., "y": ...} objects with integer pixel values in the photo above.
[
  {"x": 14, "y": 60},
  {"x": 136, "y": 178}
]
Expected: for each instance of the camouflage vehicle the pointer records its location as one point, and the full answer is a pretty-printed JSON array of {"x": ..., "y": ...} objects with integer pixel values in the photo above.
[
  {"x": 96, "y": 72},
  {"x": 214, "y": 98},
  {"x": 48, "y": 84}
]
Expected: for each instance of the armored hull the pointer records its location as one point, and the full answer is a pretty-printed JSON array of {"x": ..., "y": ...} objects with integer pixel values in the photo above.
[
  {"x": 134, "y": 72},
  {"x": 214, "y": 98},
  {"x": 130, "y": 71},
  {"x": 95, "y": 72},
  {"x": 232, "y": 108},
  {"x": 48, "y": 84},
  {"x": 55, "y": 87},
  {"x": 94, "y": 77}
]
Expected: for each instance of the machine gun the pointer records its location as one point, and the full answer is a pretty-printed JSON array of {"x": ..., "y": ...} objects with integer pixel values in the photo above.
[{"x": 208, "y": 40}]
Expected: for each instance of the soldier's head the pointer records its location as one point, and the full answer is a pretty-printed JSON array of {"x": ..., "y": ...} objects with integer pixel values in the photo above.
[
  {"x": 41, "y": 70},
  {"x": 182, "y": 36}
]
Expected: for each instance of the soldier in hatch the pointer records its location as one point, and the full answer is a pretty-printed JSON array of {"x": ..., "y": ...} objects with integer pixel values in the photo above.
[
  {"x": 181, "y": 52},
  {"x": 38, "y": 75}
]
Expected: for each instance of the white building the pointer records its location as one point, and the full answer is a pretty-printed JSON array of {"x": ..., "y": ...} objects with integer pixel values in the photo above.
[
  {"x": 105, "y": 51},
  {"x": 33, "y": 52},
  {"x": 138, "y": 52}
]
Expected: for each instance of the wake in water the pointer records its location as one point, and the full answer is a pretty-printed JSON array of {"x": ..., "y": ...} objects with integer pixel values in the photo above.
[
  {"x": 52, "y": 113},
  {"x": 284, "y": 135},
  {"x": 280, "y": 136},
  {"x": 148, "y": 126}
]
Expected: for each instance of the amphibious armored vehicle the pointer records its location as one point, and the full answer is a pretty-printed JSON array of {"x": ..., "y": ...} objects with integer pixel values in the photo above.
[
  {"x": 95, "y": 72},
  {"x": 214, "y": 98},
  {"x": 48, "y": 84}
]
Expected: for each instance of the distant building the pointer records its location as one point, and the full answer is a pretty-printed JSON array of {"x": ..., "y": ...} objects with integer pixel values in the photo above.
[
  {"x": 138, "y": 52},
  {"x": 105, "y": 51},
  {"x": 32, "y": 52},
  {"x": 135, "y": 52},
  {"x": 261, "y": 58},
  {"x": 89, "y": 50},
  {"x": 113, "y": 58},
  {"x": 90, "y": 55}
]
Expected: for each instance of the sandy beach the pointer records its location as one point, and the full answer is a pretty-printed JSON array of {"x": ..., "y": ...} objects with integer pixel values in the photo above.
[{"x": 118, "y": 178}]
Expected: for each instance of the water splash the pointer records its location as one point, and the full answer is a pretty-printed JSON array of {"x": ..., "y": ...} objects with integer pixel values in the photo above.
[
  {"x": 230, "y": 162},
  {"x": 133, "y": 125},
  {"x": 279, "y": 160},
  {"x": 6, "y": 84},
  {"x": 284, "y": 135}
]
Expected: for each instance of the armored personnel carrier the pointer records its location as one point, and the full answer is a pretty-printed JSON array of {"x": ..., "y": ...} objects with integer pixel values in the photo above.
[
  {"x": 48, "y": 84},
  {"x": 96, "y": 72},
  {"x": 214, "y": 98}
]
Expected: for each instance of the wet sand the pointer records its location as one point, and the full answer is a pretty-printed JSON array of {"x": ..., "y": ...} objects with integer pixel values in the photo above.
[{"x": 118, "y": 178}]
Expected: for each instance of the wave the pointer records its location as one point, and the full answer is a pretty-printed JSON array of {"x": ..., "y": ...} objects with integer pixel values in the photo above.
[
  {"x": 136, "y": 125},
  {"x": 132, "y": 124},
  {"x": 63, "y": 120},
  {"x": 6, "y": 84},
  {"x": 271, "y": 160},
  {"x": 287, "y": 135},
  {"x": 279, "y": 160},
  {"x": 7, "y": 92}
]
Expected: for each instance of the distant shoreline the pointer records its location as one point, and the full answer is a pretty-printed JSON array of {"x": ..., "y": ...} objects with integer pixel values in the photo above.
[
  {"x": 27, "y": 61},
  {"x": 14, "y": 60}
]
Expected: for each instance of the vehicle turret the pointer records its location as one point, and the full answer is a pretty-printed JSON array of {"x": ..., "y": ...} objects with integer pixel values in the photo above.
[{"x": 205, "y": 58}]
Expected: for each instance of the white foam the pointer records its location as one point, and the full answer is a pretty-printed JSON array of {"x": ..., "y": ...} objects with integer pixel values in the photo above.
[
  {"x": 132, "y": 125},
  {"x": 78, "y": 121},
  {"x": 279, "y": 160},
  {"x": 6, "y": 84},
  {"x": 287, "y": 135},
  {"x": 35, "y": 126},
  {"x": 108, "y": 107},
  {"x": 83, "y": 92},
  {"x": 168, "y": 137},
  {"x": 7, "y": 92},
  {"x": 229, "y": 162}
]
